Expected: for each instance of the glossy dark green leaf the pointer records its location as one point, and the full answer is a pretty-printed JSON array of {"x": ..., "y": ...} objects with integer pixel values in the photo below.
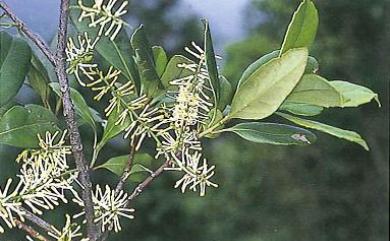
[
  {"x": 161, "y": 59},
  {"x": 81, "y": 106},
  {"x": 39, "y": 80},
  {"x": 302, "y": 29},
  {"x": 267, "y": 87},
  {"x": 334, "y": 131},
  {"x": 313, "y": 89},
  {"x": 150, "y": 80},
  {"x": 173, "y": 72},
  {"x": 140, "y": 165},
  {"x": 19, "y": 126},
  {"x": 15, "y": 55},
  {"x": 272, "y": 133},
  {"x": 354, "y": 95},
  {"x": 111, "y": 130},
  {"x": 210, "y": 61}
]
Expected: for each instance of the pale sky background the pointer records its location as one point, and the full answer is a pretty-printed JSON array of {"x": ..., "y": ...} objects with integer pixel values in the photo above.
[{"x": 225, "y": 16}]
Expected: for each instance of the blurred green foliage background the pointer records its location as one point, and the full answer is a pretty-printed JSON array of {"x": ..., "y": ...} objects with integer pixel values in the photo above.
[{"x": 330, "y": 191}]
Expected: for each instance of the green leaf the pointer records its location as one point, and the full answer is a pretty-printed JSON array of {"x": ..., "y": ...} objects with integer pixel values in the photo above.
[
  {"x": 150, "y": 81},
  {"x": 312, "y": 89},
  {"x": 161, "y": 59},
  {"x": 303, "y": 27},
  {"x": 210, "y": 61},
  {"x": 272, "y": 133},
  {"x": 353, "y": 94},
  {"x": 226, "y": 93},
  {"x": 117, "y": 53},
  {"x": 39, "y": 80},
  {"x": 140, "y": 164},
  {"x": 340, "y": 133},
  {"x": 81, "y": 106},
  {"x": 301, "y": 109},
  {"x": 311, "y": 67},
  {"x": 256, "y": 65},
  {"x": 266, "y": 88},
  {"x": 15, "y": 55},
  {"x": 173, "y": 72},
  {"x": 6, "y": 107},
  {"x": 19, "y": 126},
  {"x": 111, "y": 130},
  {"x": 215, "y": 116}
]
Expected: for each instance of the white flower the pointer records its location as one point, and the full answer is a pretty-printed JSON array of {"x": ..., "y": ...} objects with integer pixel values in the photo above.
[
  {"x": 44, "y": 175},
  {"x": 109, "y": 206},
  {"x": 196, "y": 174},
  {"x": 105, "y": 14},
  {"x": 147, "y": 124},
  {"x": 69, "y": 232},
  {"x": 80, "y": 57},
  {"x": 9, "y": 207}
]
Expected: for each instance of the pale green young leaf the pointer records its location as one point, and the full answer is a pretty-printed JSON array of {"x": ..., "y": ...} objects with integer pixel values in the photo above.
[
  {"x": 335, "y": 131},
  {"x": 19, "y": 126},
  {"x": 313, "y": 89},
  {"x": 301, "y": 109},
  {"x": 267, "y": 87},
  {"x": 140, "y": 164},
  {"x": 272, "y": 133},
  {"x": 312, "y": 65},
  {"x": 172, "y": 71},
  {"x": 354, "y": 95},
  {"x": 302, "y": 29},
  {"x": 15, "y": 55},
  {"x": 111, "y": 129},
  {"x": 161, "y": 59}
]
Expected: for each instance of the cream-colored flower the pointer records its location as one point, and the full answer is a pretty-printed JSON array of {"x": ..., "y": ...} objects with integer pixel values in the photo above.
[
  {"x": 105, "y": 14},
  {"x": 109, "y": 207}
]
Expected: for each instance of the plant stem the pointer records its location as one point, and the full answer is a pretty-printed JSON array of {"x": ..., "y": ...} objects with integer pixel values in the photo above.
[
  {"x": 58, "y": 61},
  {"x": 212, "y": 128},
  {"x": 126, "y": 170},
  {"x": 38, "y": 221},
  {"x": 30, "y": 231},
  {"x": 69, "y": 113}
]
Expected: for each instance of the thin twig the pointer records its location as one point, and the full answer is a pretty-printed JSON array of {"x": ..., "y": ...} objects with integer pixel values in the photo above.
[
  {"x": 69, "y": 113},
  {"x": 138, "y": 190},
  {"x": 34, "y": 37},
  {"x": 38, "y": 221},
  {"x": 126, "y": 170},
  {"x": 141, "y": 187},
  {"x": 30, "y": 231}
]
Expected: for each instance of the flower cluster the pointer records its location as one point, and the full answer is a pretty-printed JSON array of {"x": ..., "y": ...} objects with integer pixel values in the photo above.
[
  {"x": 44, "y": 177},
  {"x": 79, "y": 56},
  {"x": 191, "y": 110},
  {"x": 69, "y": 232},
  {"x": 109, "y": 206},
  {"x": 105, "y": 15},
  {"x": 174, "y": 128}
]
